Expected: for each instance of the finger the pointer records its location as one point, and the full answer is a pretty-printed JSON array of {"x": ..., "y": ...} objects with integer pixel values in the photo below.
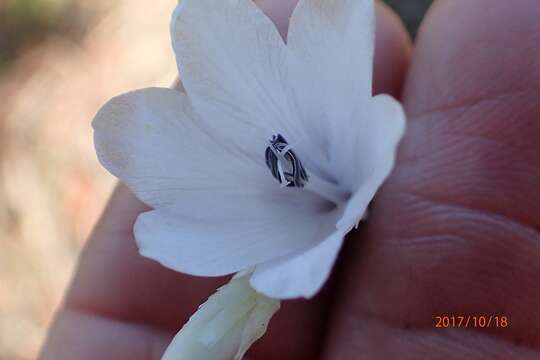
[
  {"x": 116, "y": 290},
  {"x": 452, "y": 231}
]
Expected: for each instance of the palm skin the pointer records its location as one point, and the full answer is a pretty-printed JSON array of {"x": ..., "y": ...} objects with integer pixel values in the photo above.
[{"x": 454, "y": 230}]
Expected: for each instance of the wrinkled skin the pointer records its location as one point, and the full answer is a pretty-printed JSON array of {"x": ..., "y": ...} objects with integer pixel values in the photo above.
[{"x": 455, "y": 229}]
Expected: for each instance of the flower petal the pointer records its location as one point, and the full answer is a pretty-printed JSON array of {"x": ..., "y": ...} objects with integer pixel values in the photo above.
[
  {"x": 225, "y": 326},
  {"x": 330, "y": 61},
  {"x": 217, "y": 233},
  {"x": 373, "y": 157},
  {"x": 153, "y": 142},
  {"x": 299, "y": 275},
  {"x": 231, "y": 60}
]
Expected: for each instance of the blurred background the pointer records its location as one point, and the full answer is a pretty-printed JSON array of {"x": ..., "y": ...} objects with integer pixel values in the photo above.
[{"x": 60, "y": 60}]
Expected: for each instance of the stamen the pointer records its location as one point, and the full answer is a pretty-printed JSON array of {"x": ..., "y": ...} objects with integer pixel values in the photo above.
[
  {"x": 284, "y": 164},
  {"x": 287, "y": 168}
]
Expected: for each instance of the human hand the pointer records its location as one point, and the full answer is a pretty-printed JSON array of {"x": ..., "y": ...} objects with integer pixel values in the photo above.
[{"x": 452, "y": 232}]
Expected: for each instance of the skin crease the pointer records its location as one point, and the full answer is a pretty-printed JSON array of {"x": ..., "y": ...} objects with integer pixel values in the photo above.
[{"x": 454, "y": 230}]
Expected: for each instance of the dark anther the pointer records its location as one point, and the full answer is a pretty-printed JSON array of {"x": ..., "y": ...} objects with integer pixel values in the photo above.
[{"x": 284, "y": 164}]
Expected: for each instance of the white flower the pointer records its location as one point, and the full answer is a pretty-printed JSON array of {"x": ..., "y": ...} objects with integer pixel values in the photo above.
[
  {"x": 214, "y": 162},
  {"x": 198, "y": 159}
]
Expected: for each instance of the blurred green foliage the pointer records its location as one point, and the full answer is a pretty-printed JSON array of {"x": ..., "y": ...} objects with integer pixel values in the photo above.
[
  {"x": 411, "y": 11},
  {"x": 24, "y": 23}
]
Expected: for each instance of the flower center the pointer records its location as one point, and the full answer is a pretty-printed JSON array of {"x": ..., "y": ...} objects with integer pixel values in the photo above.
[{"x": 287, "y": 168}]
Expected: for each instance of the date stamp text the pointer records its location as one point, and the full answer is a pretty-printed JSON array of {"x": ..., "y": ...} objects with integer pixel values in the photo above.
[{"x": 471, "y": 321}]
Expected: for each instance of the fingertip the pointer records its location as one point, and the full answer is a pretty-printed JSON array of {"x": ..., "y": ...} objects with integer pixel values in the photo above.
[
  {"x": 393, "y": 48},
  {"x": 467, "y": 50}
]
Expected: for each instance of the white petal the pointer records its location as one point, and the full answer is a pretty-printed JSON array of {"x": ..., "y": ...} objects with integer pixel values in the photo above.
[
  {"x": 217, "y": 233},
  {"x": 299, "y": 275},
  {"x": 373, "y": 157},
  {"x": 231, "y": 60},
  {"x": 225, "y": 326},
  {"x": 153, "y": 142},
  {"x": 331, "y": 47}
]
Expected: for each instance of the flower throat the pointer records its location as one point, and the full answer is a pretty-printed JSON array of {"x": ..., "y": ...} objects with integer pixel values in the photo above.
[{"x": 288, "y": 170}]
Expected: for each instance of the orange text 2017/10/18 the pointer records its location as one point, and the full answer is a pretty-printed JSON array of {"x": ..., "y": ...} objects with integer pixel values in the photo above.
[{"x": 471, "y": 321}]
